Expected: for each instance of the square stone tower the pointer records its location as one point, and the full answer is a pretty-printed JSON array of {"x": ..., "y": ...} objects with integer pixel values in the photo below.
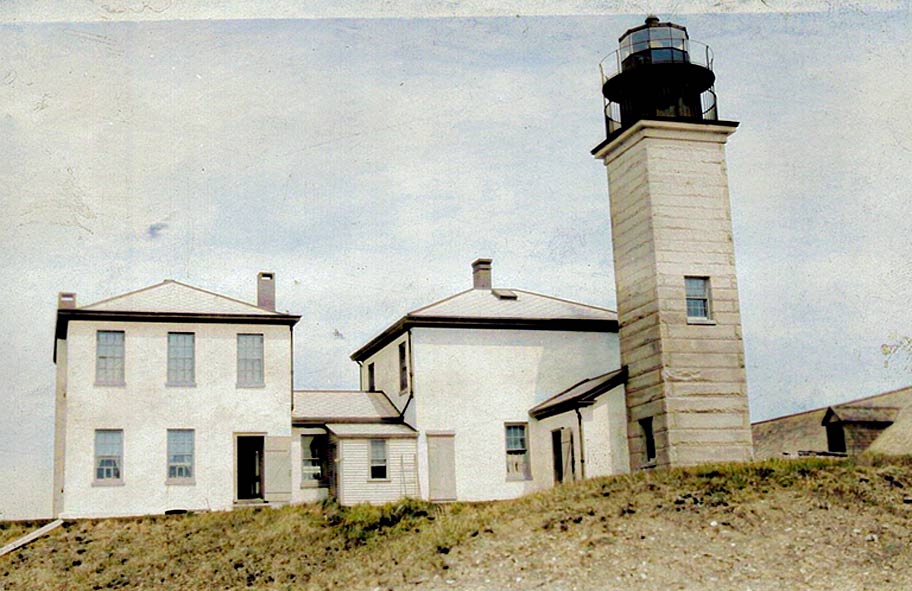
[{"x": 677, "y": 293}]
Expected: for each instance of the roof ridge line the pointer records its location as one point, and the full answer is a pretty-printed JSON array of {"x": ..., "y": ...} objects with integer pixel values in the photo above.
[{"x": 438, "y": 302}]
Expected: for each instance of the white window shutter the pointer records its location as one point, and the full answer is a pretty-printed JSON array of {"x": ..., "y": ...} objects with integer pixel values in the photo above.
[{"x": 277, "y": 477}]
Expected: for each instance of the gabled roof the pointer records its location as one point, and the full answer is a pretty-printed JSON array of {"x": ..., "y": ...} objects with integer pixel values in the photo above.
[
  {"x": 847, "y": 413},
  {"x": 584, "y": 393},
  {"x": 170, "y": 301},
  {"x": 173, "y": 296},
  {"x": 341, "y": 406},
  {"x": 498, "y": 308}
]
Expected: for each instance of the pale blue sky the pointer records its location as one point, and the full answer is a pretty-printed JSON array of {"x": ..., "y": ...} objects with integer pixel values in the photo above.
[{"x": 368, "y": 162}]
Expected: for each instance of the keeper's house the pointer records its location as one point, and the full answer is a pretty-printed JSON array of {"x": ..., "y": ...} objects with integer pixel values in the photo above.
[{"x": 172, "y": 397}]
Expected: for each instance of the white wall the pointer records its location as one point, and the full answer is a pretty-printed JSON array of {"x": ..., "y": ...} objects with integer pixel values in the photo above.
[
  {"x": 604, "y": 438},
  {"x": 354, "y": 471},
  {"x": 386, "y": 371},
  {"x": 473, "y": 381},
  {"x": 145, "y": 409}
]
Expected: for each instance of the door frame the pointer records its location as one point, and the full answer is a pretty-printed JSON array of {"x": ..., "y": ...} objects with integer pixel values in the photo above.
[
  {"x": 440, "y": 435},
  {"x": 235, "y": 462}
]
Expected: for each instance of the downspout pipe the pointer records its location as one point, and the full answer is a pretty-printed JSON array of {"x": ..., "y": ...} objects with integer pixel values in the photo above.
[{"x": 582, "y": 447}]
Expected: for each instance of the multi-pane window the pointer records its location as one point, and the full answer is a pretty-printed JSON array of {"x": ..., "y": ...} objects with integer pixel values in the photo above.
[
  {"x": 109, "y": 357},
  {"x": 180, "y": 454},
  {"x": 697, "y": 293},
  {"x": 108, "y": 455},
  {"x": 180, "y": 358},
  {"x": 250, "y": 360},
  {"x": 371, "y": 377},
  {"x": 313, "y": 459},
  {"x": 403, "y": 368},
  {"x": 378, "y": 469},
  {"x": 517, "y": 452}
]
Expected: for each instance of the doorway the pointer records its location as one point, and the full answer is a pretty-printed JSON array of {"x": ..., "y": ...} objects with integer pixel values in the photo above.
[
  {"x": 441, "y": 467},
  {"x": 562, "y": 455},
  {"x": 249, "y": 467}
]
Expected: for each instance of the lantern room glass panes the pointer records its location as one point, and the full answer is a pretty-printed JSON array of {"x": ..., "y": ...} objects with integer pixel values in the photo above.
[
  {"x": 109, "y": 357},
  {"x": 180, "y": 454},
  {"x": 108, "y": 455},
  {"x": 181, "y": 358},
  {"x": 250, "y": 360}
]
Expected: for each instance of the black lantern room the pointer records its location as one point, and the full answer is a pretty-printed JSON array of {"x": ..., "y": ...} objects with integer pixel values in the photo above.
[{"x": 658, "y": 73}]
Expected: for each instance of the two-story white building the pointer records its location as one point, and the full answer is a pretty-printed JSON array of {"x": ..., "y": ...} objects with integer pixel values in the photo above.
[
  {"x": 172, "y": 398},
  {"x": 509, "y": 391}
]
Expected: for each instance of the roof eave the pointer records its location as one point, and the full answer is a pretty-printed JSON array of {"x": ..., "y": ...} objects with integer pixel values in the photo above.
[
  {"x": 583, "y": 400},
  {"x": 407, "y": 322}
]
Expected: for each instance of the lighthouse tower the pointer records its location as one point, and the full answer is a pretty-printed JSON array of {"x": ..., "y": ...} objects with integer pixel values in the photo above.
[{"x": 677, "y": 294}]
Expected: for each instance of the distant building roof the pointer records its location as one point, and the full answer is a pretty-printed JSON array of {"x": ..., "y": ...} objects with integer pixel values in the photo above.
[
  {"x": 803, "y": 431},
  {"x": 356, "y": 430},
  {"x": 848, "y": 413},
  {"x": 498, "y": 308},
  {"x": 582, "y": 394},
  {"x": 897, "y": 438},
  {"x": 341, "y": 406}
]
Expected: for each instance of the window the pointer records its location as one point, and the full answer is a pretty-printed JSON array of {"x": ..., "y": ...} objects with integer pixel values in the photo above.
[
  {"x": 403, "y": 368},
  {"x": 180, "y": 359},
  {"x": 109, "y": 357},
  {"x": 108, "y": 455},
  {"x": 517, "y": 452},
  {"x": 697, "y": 293},
  {"x": 313, "y": 460},
  {"x": 371, "y": 385},
  {"x": 250, "y": 360},
  {"x": 378, "y": 459},
  {"x": 649, "y": 437},
  {"x": 180, "y": 454}
]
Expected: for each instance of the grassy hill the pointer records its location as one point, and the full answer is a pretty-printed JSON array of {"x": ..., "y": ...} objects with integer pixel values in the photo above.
[{"x": 808, "y": 524}]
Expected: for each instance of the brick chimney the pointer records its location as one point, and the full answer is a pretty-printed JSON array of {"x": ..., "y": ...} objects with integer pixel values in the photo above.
[
  {"x": 66, "y": 300},
  {"x": 266, "y": 290},
  {"x": 481, "y": 274}
]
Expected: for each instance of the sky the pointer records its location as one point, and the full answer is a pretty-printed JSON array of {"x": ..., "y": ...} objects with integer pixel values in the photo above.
[{"x": 368, "y": 162}]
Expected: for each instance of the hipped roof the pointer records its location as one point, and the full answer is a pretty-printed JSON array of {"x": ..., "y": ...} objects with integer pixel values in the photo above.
[{"x": 483, "y": 308}]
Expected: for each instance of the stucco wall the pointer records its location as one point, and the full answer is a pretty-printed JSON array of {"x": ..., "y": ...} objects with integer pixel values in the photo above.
[
  {"x": 144, "y": 408},
  {"x": 604, "y": 438},
  {"x": 386, "y": 371},
  {"x": 473, "y": 381},
  {"x": 354, "y": 470}
]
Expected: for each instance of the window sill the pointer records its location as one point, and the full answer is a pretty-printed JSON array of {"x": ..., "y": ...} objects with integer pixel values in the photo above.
[
  {"x": 307, "y": 484},
  {"x": 110, "y": 384},
  {"x": 180, "y": 482},
  {"x": 180, "y": 385},
  {"x": 701, "y": 321},
  {"x": 250, "y": 386},
  {"x": 518, "y": 478},
  {"x": 379, "y": 480},
  {"x": 107, "y": 483}
]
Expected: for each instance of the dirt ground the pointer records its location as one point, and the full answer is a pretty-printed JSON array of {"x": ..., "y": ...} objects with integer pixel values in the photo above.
[{"x": 764, "y": 526}]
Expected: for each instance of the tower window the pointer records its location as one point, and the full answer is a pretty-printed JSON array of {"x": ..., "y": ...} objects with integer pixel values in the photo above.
[
  {"x": 697, "y": 294},
  {"x": 649, "y": 437}
]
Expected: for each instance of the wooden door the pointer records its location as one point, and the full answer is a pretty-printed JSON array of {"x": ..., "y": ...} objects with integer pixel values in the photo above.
[{"x": 442, "y": 467}]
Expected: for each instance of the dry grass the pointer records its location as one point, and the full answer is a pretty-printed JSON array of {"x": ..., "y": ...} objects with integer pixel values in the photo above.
[{"x": 551, "y": 539}]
